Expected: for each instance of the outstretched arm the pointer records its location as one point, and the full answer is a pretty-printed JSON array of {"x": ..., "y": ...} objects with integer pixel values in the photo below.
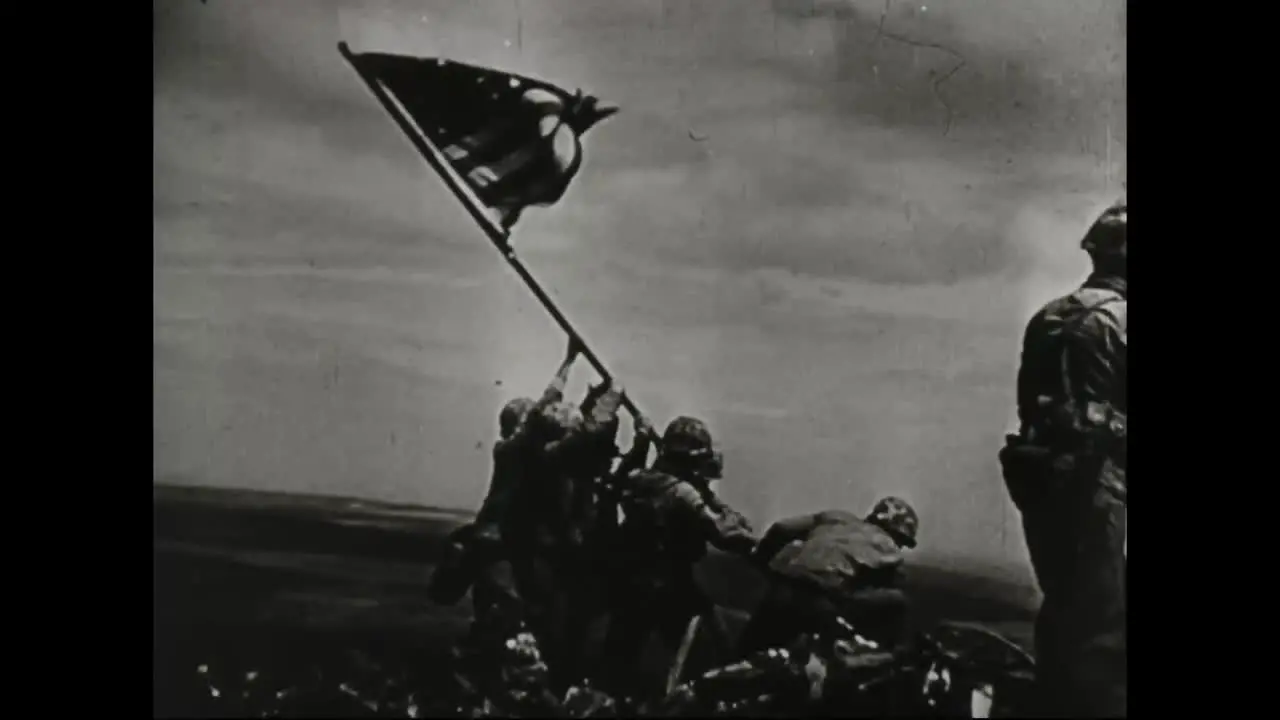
[
  {"x": 638, "y": 456},
  {"x": 554, "y": 393},
  {"x": 1027, "y": 398},
  {"x": 783, "y": 533},
  {"x": 732, "y": 532},
  {"x": 599, "y": 422},
  {"x": 555, "y": 390},
  {"x": 600, "y": 408},
  {"x": 724, "y": 529}
]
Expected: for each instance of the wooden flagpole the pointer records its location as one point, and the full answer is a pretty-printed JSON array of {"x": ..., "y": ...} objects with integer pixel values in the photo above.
[
  {"x": 496, "y": 234},
  {"x": 501, "y": 240}
]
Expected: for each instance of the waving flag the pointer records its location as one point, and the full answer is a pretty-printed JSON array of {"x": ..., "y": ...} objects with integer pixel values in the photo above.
[{"x": 502, "y": 142}]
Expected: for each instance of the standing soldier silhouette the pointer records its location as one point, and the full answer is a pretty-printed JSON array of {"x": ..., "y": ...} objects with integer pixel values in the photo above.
[
  {"x": 670, "y": 517},
  {"x": 1066, "y": 472}
]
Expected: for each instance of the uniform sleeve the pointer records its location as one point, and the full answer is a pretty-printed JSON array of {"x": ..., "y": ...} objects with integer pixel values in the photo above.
[
  {"x": 523, "y": 433},
  {"x": 884, "y": 575},
  {"x": 560, "y": 486},
  {"x": 553, "y": 394},
  {"x": 501, "y": 485},
  {"x": 559, "y": 450},
  {"x": 1096, "y": 358},
  {"x": 636, "y": 458},
  {"x": 1027, "y": 392},
  {"x": 599, "y": 415},
  {"x": 576, "y": 506},
  {"x": 600, "y": 407},
  {"x": 783, "y": 533},
  {"x": 734, "y": 532},
  {"x": 725, "y": 530}
]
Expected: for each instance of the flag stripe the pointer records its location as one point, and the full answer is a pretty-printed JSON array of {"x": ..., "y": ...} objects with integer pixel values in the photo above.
[
  {"x": 495, "y": 145},
  {"x": 464, "y": 188},
  {"x": 475, "y": 139},
  {"x": 494, "y": 152},
  {"x": 505, "y": 162},
  {"x": 518, "y": 184},
  {"x": 530, "y": 182},
  {"x": 540, "y": 180},
  {"x": 506, "y": 166},
  {"x": 526, "y": 173},
  {"x": 478, "y": 141},
  {"x": 484, "y": 129}
]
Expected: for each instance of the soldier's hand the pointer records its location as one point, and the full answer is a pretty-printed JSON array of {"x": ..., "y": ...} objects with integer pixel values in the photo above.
[
  {"x": 738, "y": 520},
  {"x": 644, "y": 426}
]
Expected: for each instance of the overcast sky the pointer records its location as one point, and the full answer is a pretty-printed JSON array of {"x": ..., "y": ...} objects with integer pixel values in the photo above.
[{"x": 806, "y": 226}]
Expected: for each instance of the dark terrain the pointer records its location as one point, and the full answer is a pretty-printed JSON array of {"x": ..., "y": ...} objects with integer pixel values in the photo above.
[{"x": 247, "y": 580}]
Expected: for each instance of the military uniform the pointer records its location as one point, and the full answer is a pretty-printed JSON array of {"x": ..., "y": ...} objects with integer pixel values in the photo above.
[
  {"x": 498, "y": 665},
  {"x": 589, "y": 461},
  {"x": 829, "y": 565},
  {"x": 588, "y": 577},
  {"x": 669, "y": 517},
  {"x": 543, "y": 529},
  {"x": 602, "y": 537},
  {"x": 481, "y": 554},
  {"x": 1066, "y": 472},
  {"x": 508, "y": 556},
  {"x": 572, "y": 468}
]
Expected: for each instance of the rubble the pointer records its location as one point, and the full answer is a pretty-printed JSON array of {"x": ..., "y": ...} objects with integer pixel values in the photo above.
[{"x": 953, "y": 670}]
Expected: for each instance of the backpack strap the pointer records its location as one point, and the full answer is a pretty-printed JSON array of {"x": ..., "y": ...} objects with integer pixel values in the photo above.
[{"x": 1064, "y": 365}]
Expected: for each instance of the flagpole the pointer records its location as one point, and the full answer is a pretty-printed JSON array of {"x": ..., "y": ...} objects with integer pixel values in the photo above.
[{"x": 496, "y": 234}]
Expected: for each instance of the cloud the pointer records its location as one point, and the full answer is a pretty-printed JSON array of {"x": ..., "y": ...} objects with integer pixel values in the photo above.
[
  {"x": 805, "y": 111},
  {"x": 829, "y": 274}
]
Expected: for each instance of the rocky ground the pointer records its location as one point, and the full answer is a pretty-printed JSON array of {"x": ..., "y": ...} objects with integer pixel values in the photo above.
[{"x": 249, "y": 582}]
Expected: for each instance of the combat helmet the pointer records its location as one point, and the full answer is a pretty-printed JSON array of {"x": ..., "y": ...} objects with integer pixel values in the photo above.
[
  {"x": 1108, "y": 235},
  {"x": 513, "y": 413},
  {"x": 896, "y": 517},
  {"x": 687, "y": 442}
]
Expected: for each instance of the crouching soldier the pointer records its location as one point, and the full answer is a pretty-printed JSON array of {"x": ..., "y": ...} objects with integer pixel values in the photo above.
[{"x": 832, "y": 565}]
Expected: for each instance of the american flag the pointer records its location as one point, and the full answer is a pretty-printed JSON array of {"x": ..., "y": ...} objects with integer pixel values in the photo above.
[{"x": 511, "y": 141}]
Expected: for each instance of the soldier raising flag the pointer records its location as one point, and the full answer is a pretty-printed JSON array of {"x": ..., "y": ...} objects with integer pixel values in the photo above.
[{"x": 501, "y": 143}]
